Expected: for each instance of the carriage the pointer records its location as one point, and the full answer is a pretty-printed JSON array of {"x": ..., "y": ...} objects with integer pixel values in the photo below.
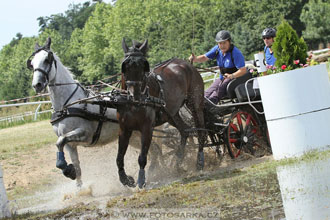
[
  {"x": 170, "y": 92},
  {"x": 238, "y": 122}
]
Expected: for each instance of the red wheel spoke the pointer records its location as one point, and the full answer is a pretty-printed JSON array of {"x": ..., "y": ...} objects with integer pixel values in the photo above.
[
  {"x": 239, "y": 119},
  {"x": 248, "y": 120},
  {"x": 232, "y": 140},
  {"x": 233, "y": 126}
]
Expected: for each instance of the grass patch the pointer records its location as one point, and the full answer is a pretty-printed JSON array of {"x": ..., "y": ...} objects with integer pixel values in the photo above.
[
  {"x": 25, "y": 138},
  {"x": 237, "y": 194},
  {"x": 19, "y": 117}
]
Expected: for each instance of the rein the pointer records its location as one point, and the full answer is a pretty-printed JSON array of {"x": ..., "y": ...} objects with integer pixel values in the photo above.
[{"x": 62, "y": 84}]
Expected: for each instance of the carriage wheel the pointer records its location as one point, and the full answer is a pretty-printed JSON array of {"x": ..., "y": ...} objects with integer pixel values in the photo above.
[{"x": 242, "y": 134}]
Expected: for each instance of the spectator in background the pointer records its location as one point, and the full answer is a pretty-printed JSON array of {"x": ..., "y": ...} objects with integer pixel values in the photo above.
[{"x": 268, "y": 36}]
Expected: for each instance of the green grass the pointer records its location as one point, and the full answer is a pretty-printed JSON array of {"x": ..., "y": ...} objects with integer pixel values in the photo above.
[{"x": 25, "y": 138}]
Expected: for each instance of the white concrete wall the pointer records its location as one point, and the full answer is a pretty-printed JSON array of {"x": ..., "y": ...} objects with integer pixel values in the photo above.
[{"x": 4, "y": 204}]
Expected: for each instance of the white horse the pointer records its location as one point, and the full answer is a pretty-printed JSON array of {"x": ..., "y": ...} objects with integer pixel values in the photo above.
[{"x": 80, "y": 124}]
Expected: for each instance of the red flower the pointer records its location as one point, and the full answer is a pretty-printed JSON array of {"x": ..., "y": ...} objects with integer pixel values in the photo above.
[
  {"x": 283, "y": 67},
  {"x": 296, "y": 61}
]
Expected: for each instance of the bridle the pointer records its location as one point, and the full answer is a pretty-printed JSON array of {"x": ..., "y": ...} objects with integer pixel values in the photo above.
[
  {"x": 51, "y": 60},
  {"x": 135, "y": 83}
]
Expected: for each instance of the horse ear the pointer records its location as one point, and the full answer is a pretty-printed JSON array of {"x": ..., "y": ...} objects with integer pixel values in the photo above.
[
  {"x": 144, "y": 47},
  {"x": 48, "y": 43},
  {"x": 124, "y": 46},
  {"x": 50, "y": 56},
  {"x": 36, "y": 47}
]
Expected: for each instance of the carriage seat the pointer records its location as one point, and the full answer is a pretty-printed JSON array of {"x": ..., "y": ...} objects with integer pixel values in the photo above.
[
  {"x": 241, "y": 94},
  {"x": 236, "y": 82}
]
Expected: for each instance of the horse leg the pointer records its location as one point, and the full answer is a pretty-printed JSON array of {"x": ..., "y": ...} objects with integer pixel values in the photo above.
[
  {"x": 156, "y": 157},
  {"x": 122, "y": 148},
  {"x": 196, "y": 109},
  {"x": 146, "y": 136},
  {"x": 77, "y": 135},
  {"x": 181, "y": 126},
  {"x": 75, "y": 161}
]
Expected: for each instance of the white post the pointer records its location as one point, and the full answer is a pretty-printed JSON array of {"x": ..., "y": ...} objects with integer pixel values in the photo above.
[
  {"x": 4, "y": 204},
  {"x": 36, "y": 112}
]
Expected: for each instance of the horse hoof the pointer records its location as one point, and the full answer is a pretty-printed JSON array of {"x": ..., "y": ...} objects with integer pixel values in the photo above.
[
  {"x": 127, "y": 181},
  {"x": 141, "y": 179},
  {"x": 70, "y": 172},
  {"x": 130, "y": 181}
]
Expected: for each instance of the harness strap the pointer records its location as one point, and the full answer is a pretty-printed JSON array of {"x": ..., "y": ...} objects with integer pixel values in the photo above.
[
  {"x": 97, "y": 133},
  {"x": 78, "y": 112},
  {"x": 81, "y": 113},
  {"x": 66, "y": 102}
]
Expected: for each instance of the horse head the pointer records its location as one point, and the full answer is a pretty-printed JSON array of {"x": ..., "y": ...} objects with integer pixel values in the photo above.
[
  {"x": 135, "y": 67},
  {"x": 43, "y": 64}
]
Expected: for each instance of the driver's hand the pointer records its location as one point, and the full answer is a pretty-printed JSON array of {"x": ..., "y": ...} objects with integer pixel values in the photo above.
[{"x": 228, "y": 76}]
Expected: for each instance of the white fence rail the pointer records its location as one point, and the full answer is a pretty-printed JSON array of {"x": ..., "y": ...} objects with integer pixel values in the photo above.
[
  {"x": 22, "y": 116},
  {"x": 207, "y": 75}
]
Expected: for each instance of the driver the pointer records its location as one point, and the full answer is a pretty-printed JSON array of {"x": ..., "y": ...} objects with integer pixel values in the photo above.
[{"x": 229, "y": 59}]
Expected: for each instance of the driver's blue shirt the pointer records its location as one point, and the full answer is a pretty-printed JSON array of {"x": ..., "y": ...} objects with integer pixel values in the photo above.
[
  {"x": 269, "y": 57},
  {"x": 225, "y": 60}
]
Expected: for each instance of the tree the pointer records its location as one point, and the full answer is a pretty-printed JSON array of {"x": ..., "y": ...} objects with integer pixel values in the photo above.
[
  {"x": 15, "y": 79},
  {"x": 15, "y": 41},
  {"x": 75, "y": 17},
  {"x": 94, "y": 61},
  {"x": 288, "y": 47},
  {"x": 316, "y": 16}
]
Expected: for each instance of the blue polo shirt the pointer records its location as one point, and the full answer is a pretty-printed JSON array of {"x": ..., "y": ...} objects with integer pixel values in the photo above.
[
  {"x": 270, "y": 59},
  {"x": 225, "y": 60}
]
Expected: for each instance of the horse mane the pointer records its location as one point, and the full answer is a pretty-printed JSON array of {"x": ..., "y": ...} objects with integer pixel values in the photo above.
[{"x": 61, "y": 67}]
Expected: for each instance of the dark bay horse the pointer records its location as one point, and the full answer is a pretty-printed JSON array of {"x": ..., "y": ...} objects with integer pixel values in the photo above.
[{"x": 177, "y": 83}]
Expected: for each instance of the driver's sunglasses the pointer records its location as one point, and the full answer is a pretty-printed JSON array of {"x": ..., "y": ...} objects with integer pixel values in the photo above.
[{"x": 267, "y": 38}]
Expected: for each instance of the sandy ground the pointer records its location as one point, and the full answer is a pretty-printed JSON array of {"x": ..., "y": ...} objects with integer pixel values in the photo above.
[{"x": 45, "y": 188}]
